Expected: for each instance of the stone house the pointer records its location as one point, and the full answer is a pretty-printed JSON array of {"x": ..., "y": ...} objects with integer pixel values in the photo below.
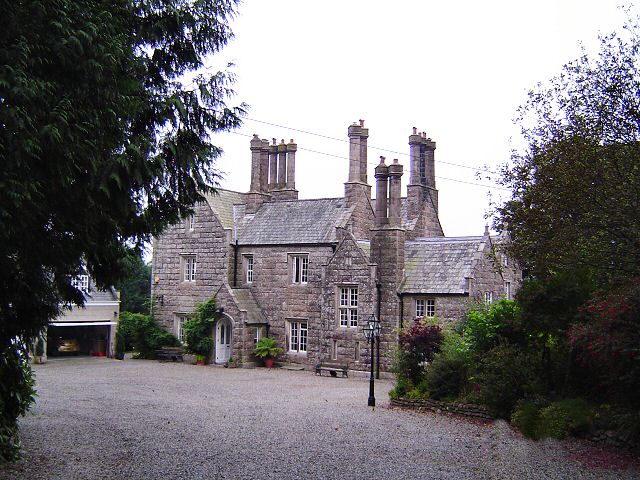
[{"x": 311, "y": 272}]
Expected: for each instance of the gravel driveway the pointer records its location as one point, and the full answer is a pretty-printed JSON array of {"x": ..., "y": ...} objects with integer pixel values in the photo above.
[{"x": 137, "y": 419}]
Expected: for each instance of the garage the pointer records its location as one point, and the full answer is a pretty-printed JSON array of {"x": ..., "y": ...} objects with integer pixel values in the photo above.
[{"x": 87, "y": 330}]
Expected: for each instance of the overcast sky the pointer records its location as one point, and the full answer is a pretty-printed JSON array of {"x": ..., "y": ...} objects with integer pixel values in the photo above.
[{"x": 457, "y": 70}]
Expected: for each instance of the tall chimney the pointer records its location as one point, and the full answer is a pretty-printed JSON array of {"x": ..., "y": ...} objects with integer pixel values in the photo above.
[
  {"x": 282, "y": 164},
  {"x": 273, "y": 165},
  {"x": 291, "y": 165},
  {"x": 415, "y": 140},
  {"x": 395, "y": 191},
  {"x": 256, "y": 177},
  {"x": 364, "y": 135},
  {"x": 264, "y": 165},
  {"x": 354, "y": 153},
  {"x": 382, "y": 179}
]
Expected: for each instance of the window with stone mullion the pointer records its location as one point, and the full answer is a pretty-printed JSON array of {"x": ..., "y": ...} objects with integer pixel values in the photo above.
[{"x": 348, "y": 307}]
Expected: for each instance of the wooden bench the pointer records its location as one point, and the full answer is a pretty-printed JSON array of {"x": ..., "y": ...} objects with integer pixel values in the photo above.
[
  {"x": 332, "y": 368},
  {"x": 169, "y": 354}
]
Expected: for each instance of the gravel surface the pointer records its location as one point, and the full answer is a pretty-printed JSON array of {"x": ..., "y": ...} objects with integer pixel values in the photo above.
[{"x": 137, "y": 419}]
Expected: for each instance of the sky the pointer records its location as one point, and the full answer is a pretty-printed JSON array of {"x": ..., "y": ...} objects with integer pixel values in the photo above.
[{"x": 457, "y": 70}]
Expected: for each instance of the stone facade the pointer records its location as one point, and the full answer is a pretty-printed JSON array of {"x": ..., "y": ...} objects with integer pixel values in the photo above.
[{"x": 309, "y": 273}]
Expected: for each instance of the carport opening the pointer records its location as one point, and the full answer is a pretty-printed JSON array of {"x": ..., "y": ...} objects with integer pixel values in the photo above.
[{"x": 78, "y": 340}]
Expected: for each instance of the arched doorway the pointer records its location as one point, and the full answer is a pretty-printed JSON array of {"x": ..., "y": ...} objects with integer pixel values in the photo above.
[{"x": 224, "y": 333}]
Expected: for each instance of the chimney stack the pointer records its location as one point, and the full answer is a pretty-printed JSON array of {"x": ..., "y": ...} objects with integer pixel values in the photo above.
[
  {"x": 395, "y": 192},
  {"x": 256, "y": 166},
  {"x": 382, "y": 179},
  {"x": 364, "y": 135},
  {"x": 273, "y": 165},
  {"x": 354, "y": 152},
  {"x": 264, "y": 165},
  {"x": 291, "y": 165},
  {"x": 282, "y": 164}
]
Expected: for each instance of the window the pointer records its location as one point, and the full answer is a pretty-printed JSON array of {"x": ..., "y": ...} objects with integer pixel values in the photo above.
[
  {"x": 258, "y": 335},
  {"x": 431, "y": 308},
  {"x": 81, "y": 282},
  {"x": 191, "y": 222},
  {"x": 348, "y": 309},
  {"x": 507, "y": 290},
  {"x": 419, "y": 307},
  {"x": 488, "y": 297},
  {"x": 505, "y": 260},
  {"x": 298, "y": 337},
  {"x": 178, "y": 325},
  {"x": 248, "y": 268},
  {"x": 189, "y": 268},
  {"x": 299, "y": 269}
]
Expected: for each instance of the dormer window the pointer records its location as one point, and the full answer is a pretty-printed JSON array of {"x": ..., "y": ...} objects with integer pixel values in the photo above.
[{"x": 81, "y": 282}]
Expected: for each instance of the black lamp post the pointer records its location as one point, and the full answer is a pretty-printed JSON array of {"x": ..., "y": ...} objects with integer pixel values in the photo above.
[{"x": 372, "y": 333}]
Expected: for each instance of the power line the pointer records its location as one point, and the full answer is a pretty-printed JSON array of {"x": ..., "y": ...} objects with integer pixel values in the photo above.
[
  {"x": 370, "y": 146},
  {"x": 342, "y": 157}
]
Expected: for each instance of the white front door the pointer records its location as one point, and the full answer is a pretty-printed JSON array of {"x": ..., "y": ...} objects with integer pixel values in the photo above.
[{"x": 223, "y": 340}]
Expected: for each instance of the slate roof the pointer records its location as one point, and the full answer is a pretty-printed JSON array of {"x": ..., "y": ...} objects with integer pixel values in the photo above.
[
  {"x": 440, "y": 265},
  {"x": 222, "y": 204},
  {"x": 294, "y": 222},
  {"x": 109, "y": 295},
  {"x": 247, "y": 302}
]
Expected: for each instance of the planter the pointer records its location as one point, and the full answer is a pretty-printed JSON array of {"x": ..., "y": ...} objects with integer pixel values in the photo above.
[
  {"x": 199, "y": 362},
  {"x": 189, "y": 358},
  {"x": 268, "y": 362}
]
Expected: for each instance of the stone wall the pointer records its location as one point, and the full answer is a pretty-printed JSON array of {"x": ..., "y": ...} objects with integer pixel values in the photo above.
[
  {"x": 349, "y": 266},
  {"x": 210, "y": 244},
  {"x": 449, "y": 308},
  {"x": 469, "y": 410},
  {"x": 280, "y": 299}
]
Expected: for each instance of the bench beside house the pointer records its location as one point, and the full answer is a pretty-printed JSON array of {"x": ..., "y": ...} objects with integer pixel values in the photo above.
[{"x": 332, "y": 368}]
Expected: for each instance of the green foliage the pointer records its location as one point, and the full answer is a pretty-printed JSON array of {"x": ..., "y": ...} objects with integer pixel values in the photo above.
[
  {"x": 505, "y": 375},
  {"x": 197, "y": 330},
  {"x": 16, "y": 395},
  {"x": 526, "y": 418},
  {"x": 401, "y": 387},
  {"x": 584, "y": 120},
  {"x": 446, "y": 376},
  {"x": 564, "y": 417},
  {"x": 102, "y": 144},
  {"x": 135, "y": 287},
  {"x": 120, "y": 346},
  {"x": 487, "y": 326},
  {"x": 267, "y": 348},
  {"x": 142, "y": 333}
]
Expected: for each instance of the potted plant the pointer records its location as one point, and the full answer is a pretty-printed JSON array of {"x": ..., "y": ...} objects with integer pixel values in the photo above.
[
  {"x": 267, "y": 349},
  {"x": 200, "y": 359},
  {"x": 231, "y": 363}
]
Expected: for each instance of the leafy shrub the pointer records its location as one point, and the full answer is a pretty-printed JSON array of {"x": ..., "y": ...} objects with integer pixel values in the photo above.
[
  {"x": 119, "y": 348},
  {"x": 505, "y": 375},
  {"x": 487, "y": 326},
  {"x": 16, "y": 395},
  {"x": 446, "y": 376},
  {"x": 417, "y": 346},
  {"x": 142, "y": 333},
  {"x": 526, "y": 418},
  {"x": 565, "y": 417},
  {"x": 198, "y": 329},
  {"x": 401, "y": 387}
]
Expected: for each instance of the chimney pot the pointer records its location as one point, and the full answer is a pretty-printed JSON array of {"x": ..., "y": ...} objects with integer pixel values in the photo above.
[
  {"x": 282, "y": 140},
  {"x": 415, "y": 131},
  {"x": 382, "y": 159},
  {"x": 291, "y": 141},
  {"x": 395, "y": 160},
  {"x": 362, "y": 123},
  {"x": 273, "y": 140}
]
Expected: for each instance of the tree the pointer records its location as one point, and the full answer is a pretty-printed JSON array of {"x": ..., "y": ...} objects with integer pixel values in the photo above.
[
  {"x": 102, "y": 144},
  {"x": 135, "y": 287},
  {"x": 575, "y": 188}
]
